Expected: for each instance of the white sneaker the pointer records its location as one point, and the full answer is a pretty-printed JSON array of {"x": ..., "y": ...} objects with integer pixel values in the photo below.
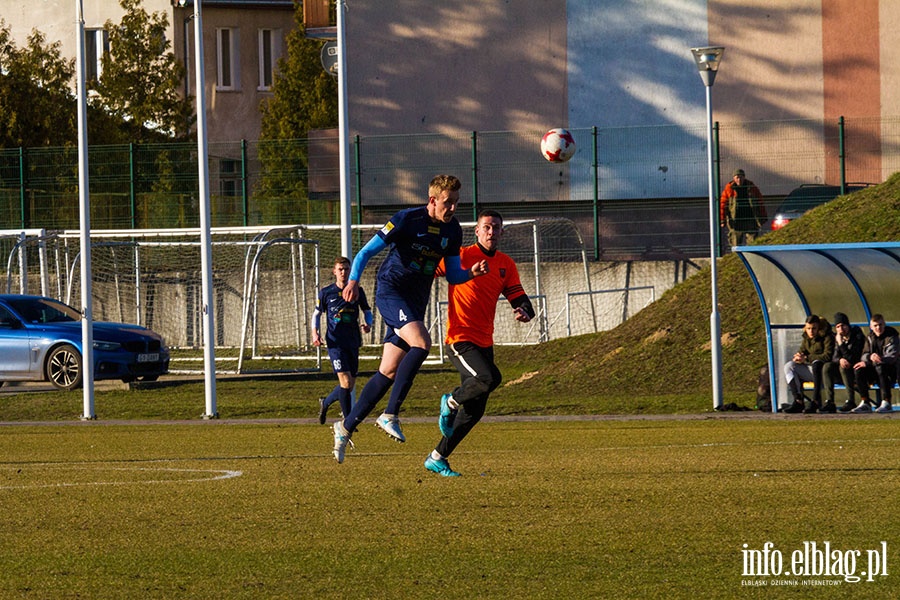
[
  {"x": 863, "y": 407},
  {"x": 341, "y": 439},
  {"x": 885, "y": 407},
  {"x": 390, "y": 424}
]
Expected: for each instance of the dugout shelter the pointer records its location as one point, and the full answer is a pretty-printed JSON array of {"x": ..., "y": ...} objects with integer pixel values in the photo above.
[{"x": 794, "y": 281}]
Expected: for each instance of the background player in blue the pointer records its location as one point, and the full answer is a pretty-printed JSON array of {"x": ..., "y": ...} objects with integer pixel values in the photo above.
[
  {"x": 342, "y": 335},
  {"x": 418, "y": 239}
]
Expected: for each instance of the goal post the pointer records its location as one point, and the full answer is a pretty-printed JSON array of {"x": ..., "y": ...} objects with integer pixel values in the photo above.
[{"x": 265, "y": 285}]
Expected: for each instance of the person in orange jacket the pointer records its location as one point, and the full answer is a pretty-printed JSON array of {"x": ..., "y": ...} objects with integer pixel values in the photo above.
[{"x": 741, "y": 209}]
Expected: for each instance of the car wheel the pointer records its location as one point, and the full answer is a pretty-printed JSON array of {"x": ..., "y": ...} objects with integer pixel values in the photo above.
[{"x": 63, "y": 368}]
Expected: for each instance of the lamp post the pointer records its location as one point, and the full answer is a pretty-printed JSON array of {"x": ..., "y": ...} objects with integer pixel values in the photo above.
[{"x": 708, "y": 60}]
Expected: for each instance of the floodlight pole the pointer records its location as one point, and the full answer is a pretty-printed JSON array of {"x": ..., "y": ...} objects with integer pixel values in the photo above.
[
  {"x": 84, "y": 212},
  {"x": 343, "y": 138},
  {"x": 708, "y": 60},
  {"x": 209, "y": 349}
]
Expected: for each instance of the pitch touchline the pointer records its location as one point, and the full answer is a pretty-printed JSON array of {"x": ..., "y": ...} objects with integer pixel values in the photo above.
[{"x": 220, "y": 474}]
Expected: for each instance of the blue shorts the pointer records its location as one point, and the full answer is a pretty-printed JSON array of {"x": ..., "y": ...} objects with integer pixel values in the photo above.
[
  {"x": 344, "y": 360},
  {"x": 396, "y": 311}
]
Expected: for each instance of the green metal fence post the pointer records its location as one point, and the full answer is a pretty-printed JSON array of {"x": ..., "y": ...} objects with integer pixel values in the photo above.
[
  {"x": 842, "y": 156},
  {"x": 132, "y": 185},
  {"x": 595, "y": 165},
  {"x": 22, "y": 189},
  {"x": 245, "y": 197},
  {"x": 474, "y": 175}
]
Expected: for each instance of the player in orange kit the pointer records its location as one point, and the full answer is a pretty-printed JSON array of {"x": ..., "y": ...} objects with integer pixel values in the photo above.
[{"x": 470, "y": 336}]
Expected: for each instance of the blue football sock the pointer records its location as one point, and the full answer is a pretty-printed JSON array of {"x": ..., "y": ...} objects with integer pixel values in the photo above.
[
  {"x": 344, "y": 400},
  {"x": 334, "y": 396},
  {"x": 373, "y": 391},
  {"x": 406, "y": 373}
]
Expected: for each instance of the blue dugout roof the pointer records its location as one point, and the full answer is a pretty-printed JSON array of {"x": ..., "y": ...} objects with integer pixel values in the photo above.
[
  {"x": 822, "y": 279},
  {"x": 798, "y": 280}
]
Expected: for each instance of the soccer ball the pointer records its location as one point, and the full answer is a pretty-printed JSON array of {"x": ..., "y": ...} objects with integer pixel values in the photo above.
[{"x": 558, "y": 145}]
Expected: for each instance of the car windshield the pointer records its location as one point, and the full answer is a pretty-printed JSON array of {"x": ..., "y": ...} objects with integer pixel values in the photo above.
[
  {"x": 804, "y": 198},
  {"x": 43, "y": 310}
]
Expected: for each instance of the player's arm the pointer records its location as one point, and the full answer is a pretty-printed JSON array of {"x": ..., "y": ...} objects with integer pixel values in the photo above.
[
  {"x": 455, "y": 274},
  {"x": 515, "y": 294},
  {"x": 351, "y": 291},
  {"x": 369, "y": 319},
  {"x": 316, "y": 338},
  {"x": 523, "y": 308}
]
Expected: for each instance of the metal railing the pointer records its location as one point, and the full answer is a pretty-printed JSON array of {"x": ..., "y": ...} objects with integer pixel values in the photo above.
[{"x": 634, "y": 192}]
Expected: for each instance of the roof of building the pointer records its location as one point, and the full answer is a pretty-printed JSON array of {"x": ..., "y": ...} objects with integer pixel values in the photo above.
[{"x": 286, "y": 4}]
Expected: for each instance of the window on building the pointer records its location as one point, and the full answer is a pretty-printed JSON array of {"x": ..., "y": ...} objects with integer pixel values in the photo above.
[
  {"x": 227, "y": 59},
  {"x": 96, "y": 44},
  {"x": 229, "y": 177},
  {"x": 269, "y": 53}
]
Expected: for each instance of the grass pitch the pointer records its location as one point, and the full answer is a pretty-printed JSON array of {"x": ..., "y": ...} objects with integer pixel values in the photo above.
[{"x": 624, "y": 508}]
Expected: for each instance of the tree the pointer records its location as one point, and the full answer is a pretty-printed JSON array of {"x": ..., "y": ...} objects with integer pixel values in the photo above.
[
  {"x": 304, "y": 98},
  {"x": 141, "y": 80},
  {"x": 37, "y": 105},
  {"x": 304, "y": 95}
]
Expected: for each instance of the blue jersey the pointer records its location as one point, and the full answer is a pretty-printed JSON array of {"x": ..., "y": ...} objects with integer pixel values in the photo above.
[
  {"x": 417, "y": 245},
  {"x": 342, "y": 317}
]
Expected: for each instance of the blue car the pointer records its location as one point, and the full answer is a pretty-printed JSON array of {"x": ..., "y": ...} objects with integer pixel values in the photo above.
[{"x": 40, "y": 340}]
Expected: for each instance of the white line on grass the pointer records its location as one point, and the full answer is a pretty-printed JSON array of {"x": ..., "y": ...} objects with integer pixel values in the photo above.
[{"x": 211, "y": 475}]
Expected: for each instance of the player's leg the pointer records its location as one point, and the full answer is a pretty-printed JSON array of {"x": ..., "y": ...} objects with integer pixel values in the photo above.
[
  {"x": 347, "y": 378},
  {"x": 408, "y": 334},
  {"x": 346, "y": 381},
  {"x": 477, "y": 371},
  {"x": 467, "y": 416},
  {"x": 334, "y": 357},
  {"x": 397, "y": 363},
  {"x": 326, "y": 401},
  {"x": 478, "y": 376},
  {"x": 418, "y": 339},
  {"x": 372, "y": 392},
  {"x": 475, "y": 364},
  {"x": 376, "y": 387}
]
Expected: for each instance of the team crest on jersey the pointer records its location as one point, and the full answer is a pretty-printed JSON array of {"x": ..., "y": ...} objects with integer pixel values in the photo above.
[
  {"x": 502, "y": 273},
  {"x": 444, "y": 243},
  {"x": 387, "y": 228}
]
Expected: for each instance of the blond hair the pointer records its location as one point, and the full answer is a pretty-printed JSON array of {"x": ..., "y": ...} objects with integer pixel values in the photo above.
[{"x": 443, "y": 182}]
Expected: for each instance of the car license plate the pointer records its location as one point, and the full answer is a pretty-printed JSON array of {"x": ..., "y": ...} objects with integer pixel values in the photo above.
[{"x": 148, "y": 357}]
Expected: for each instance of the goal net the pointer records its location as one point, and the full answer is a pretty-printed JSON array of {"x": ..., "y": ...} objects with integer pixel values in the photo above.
[{"x": 265, "y": 284}]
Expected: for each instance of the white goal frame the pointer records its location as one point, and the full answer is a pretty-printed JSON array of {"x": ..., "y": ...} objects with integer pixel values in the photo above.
[{"x": 128, "y": 289}]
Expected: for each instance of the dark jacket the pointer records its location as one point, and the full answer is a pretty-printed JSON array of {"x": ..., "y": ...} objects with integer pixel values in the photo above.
[
  {"x": 850, "y": 348},
  {"x": 741, "y": 207},
  {"x": 886, "y": 346},
  {"x": 819, "y": 348}
]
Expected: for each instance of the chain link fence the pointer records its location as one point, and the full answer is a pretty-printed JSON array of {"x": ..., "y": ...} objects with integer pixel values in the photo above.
[{"x": 635, "y": 193}]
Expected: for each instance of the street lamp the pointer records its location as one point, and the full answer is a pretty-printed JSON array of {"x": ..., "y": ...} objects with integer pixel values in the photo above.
[{"x": 708, "y": 60}]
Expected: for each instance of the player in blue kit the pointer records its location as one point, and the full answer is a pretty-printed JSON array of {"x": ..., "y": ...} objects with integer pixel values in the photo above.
[
  {"x": 342, "y": 335},
  {"x": 418, "y": 239}
]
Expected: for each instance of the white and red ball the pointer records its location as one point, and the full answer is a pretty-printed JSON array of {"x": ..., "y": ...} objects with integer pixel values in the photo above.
[{"x": 558, "y": 145}]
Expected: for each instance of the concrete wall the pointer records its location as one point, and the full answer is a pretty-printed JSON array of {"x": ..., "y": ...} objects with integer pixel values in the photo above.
[{"x": 461, "y": 65}]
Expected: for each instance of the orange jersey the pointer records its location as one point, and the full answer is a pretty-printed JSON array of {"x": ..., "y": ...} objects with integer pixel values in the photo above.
[{"x": 473, "y": 304}]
